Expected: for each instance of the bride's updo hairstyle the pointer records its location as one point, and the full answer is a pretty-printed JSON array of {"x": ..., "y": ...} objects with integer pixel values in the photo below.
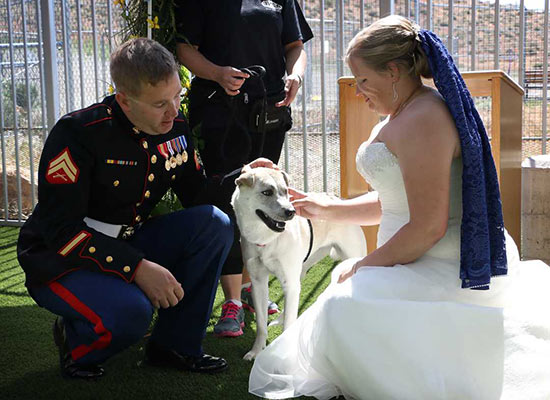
[{"x": 393, "y": 38}]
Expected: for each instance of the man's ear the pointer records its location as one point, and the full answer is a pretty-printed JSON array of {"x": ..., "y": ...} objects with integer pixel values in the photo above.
[
  {"x": 123, "y": 101},
  {"x": 246, "y": 178}
]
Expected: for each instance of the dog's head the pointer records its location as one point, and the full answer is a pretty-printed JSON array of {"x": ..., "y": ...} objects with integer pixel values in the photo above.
[{"x": 261, "y": 197}]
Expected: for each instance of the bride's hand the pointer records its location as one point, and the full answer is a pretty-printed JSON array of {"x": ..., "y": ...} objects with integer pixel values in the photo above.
[
  {"x": 307, "y": 206},
  {"x": 348, "y": 273}
]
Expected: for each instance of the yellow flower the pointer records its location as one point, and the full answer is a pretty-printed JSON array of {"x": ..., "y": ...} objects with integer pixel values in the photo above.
[
  {"x": 120, "y": 3},
  {"x": 110, "y": 89},
  {"x": 153, "y": 23}
]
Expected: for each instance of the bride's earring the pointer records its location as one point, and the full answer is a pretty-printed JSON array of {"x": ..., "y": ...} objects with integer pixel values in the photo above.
[{"x": 395, "y": 94}]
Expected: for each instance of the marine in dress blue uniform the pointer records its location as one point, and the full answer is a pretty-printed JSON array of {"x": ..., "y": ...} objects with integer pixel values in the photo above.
[{"x": 99, "y": 179}]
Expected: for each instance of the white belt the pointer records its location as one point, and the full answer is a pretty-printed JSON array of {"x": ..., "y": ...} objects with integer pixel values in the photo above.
[{"x": 112, "y": 230}]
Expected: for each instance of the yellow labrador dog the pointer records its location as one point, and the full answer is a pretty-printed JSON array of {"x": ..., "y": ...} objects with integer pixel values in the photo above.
[{"x": 276, "y": 241}]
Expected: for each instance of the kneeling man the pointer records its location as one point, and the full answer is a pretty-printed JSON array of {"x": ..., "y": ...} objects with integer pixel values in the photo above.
[{"x": 90, "y": 253}]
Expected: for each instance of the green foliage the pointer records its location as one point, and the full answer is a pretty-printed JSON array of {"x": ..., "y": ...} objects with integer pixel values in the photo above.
[
  {"x": 163, "y": 20},
  {"x": 168, "y": 204},
  {"x": 198, "y": 141}
]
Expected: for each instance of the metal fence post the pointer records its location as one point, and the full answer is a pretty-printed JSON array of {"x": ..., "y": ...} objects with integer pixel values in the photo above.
[
  {"x": 545, "y": 79},
  {"x": 50, "y": 61},
  {"x": 387, "y": 7}
]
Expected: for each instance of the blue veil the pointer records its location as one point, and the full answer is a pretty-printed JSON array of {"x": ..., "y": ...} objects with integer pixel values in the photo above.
[{"x": 482, "y": 246}]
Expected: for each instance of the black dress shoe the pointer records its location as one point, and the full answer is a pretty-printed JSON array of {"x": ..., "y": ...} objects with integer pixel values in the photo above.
[
  {"x": 156, "y": 356},
  {"x": 68, "y": 367}
]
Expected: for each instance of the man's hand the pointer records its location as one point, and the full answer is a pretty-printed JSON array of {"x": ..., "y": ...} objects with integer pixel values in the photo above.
[
  {"x": 292, "y": 84},
  {"x": 260, "y": 162},
  {"x": 158, "y": 284},
  {"x": 231, "y": 79}
]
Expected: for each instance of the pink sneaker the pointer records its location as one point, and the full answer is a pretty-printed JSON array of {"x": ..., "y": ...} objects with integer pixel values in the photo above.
[{"x": 231, "y": 322}]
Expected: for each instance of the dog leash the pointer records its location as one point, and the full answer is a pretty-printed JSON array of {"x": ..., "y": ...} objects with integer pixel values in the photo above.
[
  {"x": 310, "y": 240},
  {"x": 230, "y": 174}
]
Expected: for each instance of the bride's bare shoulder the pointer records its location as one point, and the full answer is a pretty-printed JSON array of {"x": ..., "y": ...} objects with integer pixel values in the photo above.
[
  {"x": 426, "y": 123},
  {"x": 427, "y": 117}
]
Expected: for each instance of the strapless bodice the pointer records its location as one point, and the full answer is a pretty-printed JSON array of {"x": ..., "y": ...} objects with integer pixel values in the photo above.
[{"x": 380, "y": 168}]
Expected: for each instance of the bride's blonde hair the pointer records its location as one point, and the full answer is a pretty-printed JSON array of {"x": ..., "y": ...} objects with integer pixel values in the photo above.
[{"x": 393, "y": 38}]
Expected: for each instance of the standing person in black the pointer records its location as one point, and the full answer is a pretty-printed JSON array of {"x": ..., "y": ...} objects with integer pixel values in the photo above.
[
  {"x": 248, "y": 59},
  {"x": 89, "y": 252}
]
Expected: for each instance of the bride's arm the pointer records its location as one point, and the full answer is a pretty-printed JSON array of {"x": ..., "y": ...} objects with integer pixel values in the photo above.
[
  {"x": 425, "y": 149},
  {"x": 361, "y": 210}
]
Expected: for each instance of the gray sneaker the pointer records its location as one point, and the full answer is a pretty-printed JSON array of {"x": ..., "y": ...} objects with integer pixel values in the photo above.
[{"x": 231, "y": 322}]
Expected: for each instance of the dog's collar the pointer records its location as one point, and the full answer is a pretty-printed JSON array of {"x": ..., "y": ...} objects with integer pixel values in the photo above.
[{"x": 310, "y": 240}]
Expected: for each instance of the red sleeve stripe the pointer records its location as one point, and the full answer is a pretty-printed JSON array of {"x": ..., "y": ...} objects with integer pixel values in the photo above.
[
  {"x": 89, "y": 108},
  {"x": 105, "y": 336},
  {"x": 73, "y": 243},
  {"x": 98, "y": 121}
]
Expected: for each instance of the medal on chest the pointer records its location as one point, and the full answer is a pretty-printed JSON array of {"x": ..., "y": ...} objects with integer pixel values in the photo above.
[{"x": 174, "y": 152}]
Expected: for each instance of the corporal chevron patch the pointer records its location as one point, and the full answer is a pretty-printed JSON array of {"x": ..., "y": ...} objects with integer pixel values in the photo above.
[{"x": 62, "y": 169}]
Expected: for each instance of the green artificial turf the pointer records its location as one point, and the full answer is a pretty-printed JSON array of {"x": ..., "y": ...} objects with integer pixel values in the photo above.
[{"x": 29, "y": 367}]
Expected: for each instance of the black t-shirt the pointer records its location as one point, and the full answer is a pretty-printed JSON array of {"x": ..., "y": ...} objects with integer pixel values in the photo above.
[{"x": 244, "y": 33}]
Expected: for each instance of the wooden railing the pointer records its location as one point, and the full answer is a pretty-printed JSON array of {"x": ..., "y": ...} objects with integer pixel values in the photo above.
[{"x": 534, "y": 79}]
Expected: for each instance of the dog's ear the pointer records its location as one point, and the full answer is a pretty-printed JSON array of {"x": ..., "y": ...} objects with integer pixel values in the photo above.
[
  {"x": 246, "y": 178},
  {"x": 246, "y": 168},
  {"x": 287, "y": 178}
]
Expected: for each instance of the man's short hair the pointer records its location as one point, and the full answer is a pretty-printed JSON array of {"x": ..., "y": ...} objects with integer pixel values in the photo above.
[{"x": 140, "y": 61}]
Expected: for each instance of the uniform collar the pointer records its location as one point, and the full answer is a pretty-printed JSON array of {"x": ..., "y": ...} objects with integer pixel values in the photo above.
[{"x": 121, "y": 118}]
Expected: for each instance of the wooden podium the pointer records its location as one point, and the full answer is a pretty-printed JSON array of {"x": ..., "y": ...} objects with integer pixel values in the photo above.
[{"x": 357, "y": 121}]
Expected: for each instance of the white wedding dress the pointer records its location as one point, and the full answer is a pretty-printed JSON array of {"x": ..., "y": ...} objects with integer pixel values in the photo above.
[{"x": 410, "y": 331}]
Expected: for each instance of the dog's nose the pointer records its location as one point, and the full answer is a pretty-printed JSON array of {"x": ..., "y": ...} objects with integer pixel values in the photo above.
[{"x": 289, "y": 212}]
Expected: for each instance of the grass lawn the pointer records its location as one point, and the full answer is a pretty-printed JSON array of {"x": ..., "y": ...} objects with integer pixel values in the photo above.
[{"x": 29, "y": 359}]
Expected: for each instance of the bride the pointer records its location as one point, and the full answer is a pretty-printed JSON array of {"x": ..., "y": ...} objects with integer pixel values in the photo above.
[{"x": 443, "y": 309}]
